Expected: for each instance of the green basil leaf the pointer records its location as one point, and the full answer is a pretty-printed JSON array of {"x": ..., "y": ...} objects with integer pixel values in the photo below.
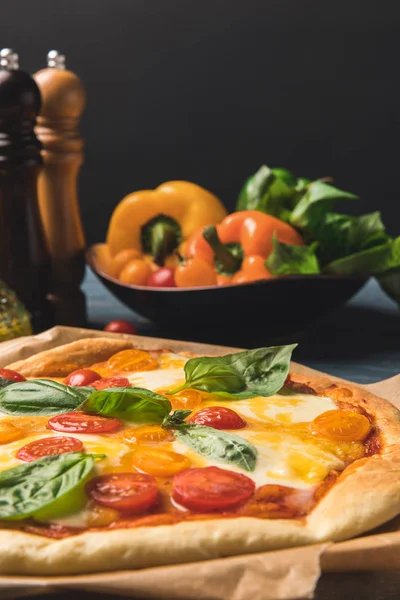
[
  {"x": 5, "y": 382},
  {"x": 260, "y": 372},
  {"x": 318, "y": 199},
  {"x": 372, "y": 261},
  {"x": 286, "y": 259},
  {"x": 218, "y": 445},
  {"x": 27, "y": 488},
  {"x": 39, "y": 397},
  {"x": 130, "y": 403},
  {"x": 176, "y": 418}
]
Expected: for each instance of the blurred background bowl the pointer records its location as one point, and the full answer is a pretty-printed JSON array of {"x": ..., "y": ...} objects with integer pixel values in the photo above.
[{"x": 278, "y": 308}]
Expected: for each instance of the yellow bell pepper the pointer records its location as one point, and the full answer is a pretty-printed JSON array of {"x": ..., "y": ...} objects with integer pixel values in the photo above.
[{"x": 156, "y": 222}]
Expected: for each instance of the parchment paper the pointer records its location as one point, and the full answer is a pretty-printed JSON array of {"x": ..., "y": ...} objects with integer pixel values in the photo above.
[{"x": 281, "y": 575}]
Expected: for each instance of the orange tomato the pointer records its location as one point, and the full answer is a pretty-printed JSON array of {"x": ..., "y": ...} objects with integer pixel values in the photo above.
[
  {"x": 147, "y": 434},
  {"x": 195, "y": 272},
  {"x": 160, "y": 463},
  {"x": 132, "y": 360},
  {"x": 186, "y": 399},
  {"x": 224, "y": 279},
  {"x": 121, "y": 259},
  {"x": 100, "y": 516},
  {"x": 341, "y": 425},
  {"x": 136, "y": 272},
  {"x": 9, "y": 433}
]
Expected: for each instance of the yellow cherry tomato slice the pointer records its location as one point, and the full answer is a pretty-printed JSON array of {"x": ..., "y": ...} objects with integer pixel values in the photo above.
[
  {"x": 100, "y": 516},
  {"x": 148, "y": 434},
  {"x": 160, "y": 463},
  {"x": 132, "y": 360},
  {"x": 341, "y": 425},
  {"x": 186, "y": 399},
  {"x": 9, "y": 433}
]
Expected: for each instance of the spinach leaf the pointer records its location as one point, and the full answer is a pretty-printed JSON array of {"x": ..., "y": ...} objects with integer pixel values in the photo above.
[
  {"x": 27, "y": 488},
  {"x": 272, "y": 191},
  {"x": 5, "y": 382},
  {"x": 318, "y": 199},
  {"x": 286, "y": 259},
  {"x": 133, "y": 404},
  {"x": 39, "y": 397},
  {"x": 212, "y": 443},
  {"x": 341, "y": 235},
  {"x": 371, "y": 261},
  {"x": 260, "y": 372}
]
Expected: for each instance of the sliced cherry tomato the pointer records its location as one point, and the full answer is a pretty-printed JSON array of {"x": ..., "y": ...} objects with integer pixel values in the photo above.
[
  {"x": 9, "y": 432},
  {"x": 211, "y": 488},
  {"x": 160, "y": 463},
  {"x": 218, "y": 417},
  {"x": 120, "y": 327},
  {"x": 186, "y": 399},
  {"x": 12, "y": 375},
  {"x": 162, "y": 278},
  {"x": 341, "y": 425},
  {"x": 110, "y": 382},
  {"x": 148, "y": 434},
  {"x": 48, "y": 447},
  {"x": 79, "y": 422},
  {"x": 82, "y": 377},
  {"x": 130, "y": 492}
]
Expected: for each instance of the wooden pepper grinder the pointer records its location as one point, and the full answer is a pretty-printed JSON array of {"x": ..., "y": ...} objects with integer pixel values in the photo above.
[
  {"x": 63, "y": 101},
  {"x": 23, "y": 254}
]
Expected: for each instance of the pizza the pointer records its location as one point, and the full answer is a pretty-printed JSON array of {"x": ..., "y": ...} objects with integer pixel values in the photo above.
[{"x": 117, "y": 457}]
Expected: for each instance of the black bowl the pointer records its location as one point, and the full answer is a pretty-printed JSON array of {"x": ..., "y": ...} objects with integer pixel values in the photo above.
[{"x": 278, "y": 307}]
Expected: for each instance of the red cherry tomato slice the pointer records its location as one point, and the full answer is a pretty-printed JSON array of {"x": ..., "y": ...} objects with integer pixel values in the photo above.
[
  {"x": 79, "y": 422},
  {"x": 82, "y": 377},
  {"x": 120, "y": 327},
  {"x": 12, "y": 375},
  {"x": 162, "y": 278},
  {"x": 128, "y": 492},
  {"x": 110, "y": 382},
  {"x": 218, "y": 417},
  {"x": 211, "y": 488},
  {"x": 48, "y": 447}
]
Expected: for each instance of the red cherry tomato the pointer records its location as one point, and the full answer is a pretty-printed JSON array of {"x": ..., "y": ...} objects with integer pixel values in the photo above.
[
  {"x": 120, "y": 327},
  {"x": 9, "y": 374},
  {"x": 82, "y": 377},
  {"x": 48, "y": 447},
  {"x": 211, "y": 488},
  {"x": 218, "y": 417},
  {"x": 162, "y": 278},
  {"x": 79, "y": 422},
  {"x": 130, "y": 492},
  {"x": 110, "y": 382}
]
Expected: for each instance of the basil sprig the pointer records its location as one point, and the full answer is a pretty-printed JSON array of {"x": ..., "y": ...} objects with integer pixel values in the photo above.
[
  {"x": 41, "y": 397},
  {"x": 260, "y": 372},
  {"x": 133, "y": 404},
  {"x": 28, "y": 488},
  {"x": 212, "y": 443}
]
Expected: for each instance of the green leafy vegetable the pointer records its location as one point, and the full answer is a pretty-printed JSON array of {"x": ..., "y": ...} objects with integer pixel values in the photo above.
[
  {"x": 390, "y": 283},
  {"x": 40, "y": 397},
  {"x": 260, "y": 372},
  {"x": 212, "y": 443},
  {"x": 371, "y": 261},
  {"x": 318, "y": 198},
  {"x": 28, "y": 488},
  {"x": 133, "y": 404},
  {"x": 286, "y": 259},
  {"x": 269, "y": 190}
]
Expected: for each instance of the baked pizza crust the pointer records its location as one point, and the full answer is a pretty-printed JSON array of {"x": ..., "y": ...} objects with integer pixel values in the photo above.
[{"x": 366, "y": 494}]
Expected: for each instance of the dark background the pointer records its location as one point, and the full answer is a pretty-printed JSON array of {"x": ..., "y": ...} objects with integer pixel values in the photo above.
[{"x": 208, "y": 90}]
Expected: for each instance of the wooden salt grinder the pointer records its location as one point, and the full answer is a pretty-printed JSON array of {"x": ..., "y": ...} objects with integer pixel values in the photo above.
[{"x": 63, "y": 101}]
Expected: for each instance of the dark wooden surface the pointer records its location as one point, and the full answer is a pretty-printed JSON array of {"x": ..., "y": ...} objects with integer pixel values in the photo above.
[{"x": 360, "y": 342}]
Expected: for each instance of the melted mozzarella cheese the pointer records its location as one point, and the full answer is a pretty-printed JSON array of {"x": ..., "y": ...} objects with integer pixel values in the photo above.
[{"x": 171, "y": 374}]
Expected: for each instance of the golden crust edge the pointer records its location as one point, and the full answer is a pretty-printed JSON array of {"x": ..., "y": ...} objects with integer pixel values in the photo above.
[{"x": 351, "y": 507}]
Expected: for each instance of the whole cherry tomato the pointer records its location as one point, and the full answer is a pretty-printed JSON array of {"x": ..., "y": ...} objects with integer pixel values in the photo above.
[
  {"x": 12, "y": 375},
  {"x": 82, "y": 377},
  {"x": 120, "y": 327},
  {"x": 162, "y": 278}
]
